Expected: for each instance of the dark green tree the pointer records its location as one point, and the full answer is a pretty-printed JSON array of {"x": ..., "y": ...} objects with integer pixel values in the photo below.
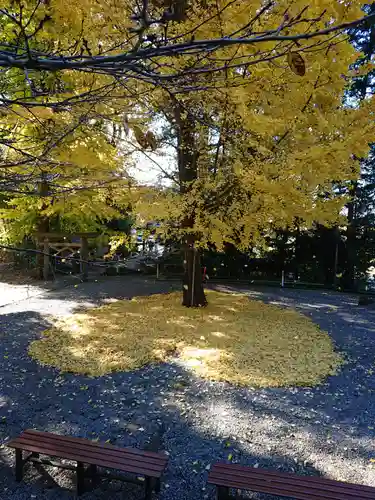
[{"x": 359, "y": 236}]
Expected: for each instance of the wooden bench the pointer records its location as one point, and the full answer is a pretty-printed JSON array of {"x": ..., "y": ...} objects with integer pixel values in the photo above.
[
  {"x": 226, "y": 476},
  {"x": 147, "y": 464}
]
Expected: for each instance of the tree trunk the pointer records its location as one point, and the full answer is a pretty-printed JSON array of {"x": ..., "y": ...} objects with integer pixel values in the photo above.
[
  {"x": 336, "y": 257},
  {"x": 297, "y": 253},
  {"x": 351, "y": 256},
  {"x": 42, "y": 227},
  {"x": 193, "y": 291},
  {"x": 351, "y": 240}
]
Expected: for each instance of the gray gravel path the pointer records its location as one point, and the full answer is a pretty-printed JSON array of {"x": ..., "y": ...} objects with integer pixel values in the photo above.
[
  {"x": 16, "y": 292},
  {"x": 327, "y": 430}
]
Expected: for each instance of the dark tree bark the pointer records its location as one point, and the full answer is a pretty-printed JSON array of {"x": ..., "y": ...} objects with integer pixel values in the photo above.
[
  {"x": 42, "y": 227},
  {"x": 351, "y": 240},
  {"x": 193, "y": 290},
  {"x": 337, "y": 238}
]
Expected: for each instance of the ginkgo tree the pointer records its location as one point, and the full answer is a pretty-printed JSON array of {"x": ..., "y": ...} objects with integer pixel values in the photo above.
[
  {"x": 144, "y": 39},
  {"x": 68, "y": 168},
  {"x": 253, "y": 159},
  {"x": 251, "y": 91},
  {"x": 64, "y": 54}
]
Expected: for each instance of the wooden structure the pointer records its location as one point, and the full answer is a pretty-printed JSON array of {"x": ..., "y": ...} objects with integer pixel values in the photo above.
[
  {"x": 88, "y": 456},
  {"x": 60, "y": 242},
  {"x": 226, "y": 476}
]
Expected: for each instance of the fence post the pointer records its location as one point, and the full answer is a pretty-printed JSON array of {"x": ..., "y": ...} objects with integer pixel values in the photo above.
[
  {"x": 84, "y": 257},
  {"x": 46, "y": 259},
  {"x": 282, "y": 278}
]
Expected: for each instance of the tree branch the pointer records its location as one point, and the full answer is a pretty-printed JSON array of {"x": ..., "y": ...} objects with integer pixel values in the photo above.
[{"x": 126, "y": 60}]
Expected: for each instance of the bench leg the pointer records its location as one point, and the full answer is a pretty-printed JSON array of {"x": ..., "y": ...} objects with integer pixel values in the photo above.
[
  {"x": 19, "y": 465},
  {"x": 93, "y": 471},
  {"x": 222, "y": 493},
  {"x": 80, "y": 478},
  {"x": 148, "y": 488},
  {"x": 157, "y": 486}
]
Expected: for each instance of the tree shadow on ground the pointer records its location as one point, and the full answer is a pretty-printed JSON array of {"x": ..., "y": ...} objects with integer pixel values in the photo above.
[
  {"x": 130, "y": 410},
  {"x": 66, "y": 300},
  {"x": 327, "y": 429},
  {"x": 105, "y": 289},
  {"x": 346, "y": 400}
]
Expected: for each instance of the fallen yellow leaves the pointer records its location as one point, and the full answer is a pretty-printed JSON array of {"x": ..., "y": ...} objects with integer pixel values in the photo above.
[{"x": 234, "y": 339}]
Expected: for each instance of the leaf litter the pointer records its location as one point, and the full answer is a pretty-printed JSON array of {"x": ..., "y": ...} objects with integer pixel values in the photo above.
[{"x": 234, "y": 339}]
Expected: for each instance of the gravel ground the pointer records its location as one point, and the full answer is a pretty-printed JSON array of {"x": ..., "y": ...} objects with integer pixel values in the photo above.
[
  {"x": 328, "y": 430},
  {"x": 16, "y": 286}
]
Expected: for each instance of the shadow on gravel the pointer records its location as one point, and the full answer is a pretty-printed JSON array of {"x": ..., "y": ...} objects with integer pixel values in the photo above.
[
  {"x": 158, "y": 408},
  {"x": 65, "y": 301},
  {"x": 324, "y": 430},
  {"x": 105, "y": 289},
  {"x": 14, "y": 327}
]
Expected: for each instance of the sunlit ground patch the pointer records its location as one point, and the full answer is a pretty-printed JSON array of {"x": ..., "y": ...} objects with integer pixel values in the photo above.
[{"x": 233, "y": 339}]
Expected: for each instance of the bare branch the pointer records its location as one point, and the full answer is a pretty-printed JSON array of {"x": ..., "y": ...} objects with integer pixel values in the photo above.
[{"x": 126, "y": 61}]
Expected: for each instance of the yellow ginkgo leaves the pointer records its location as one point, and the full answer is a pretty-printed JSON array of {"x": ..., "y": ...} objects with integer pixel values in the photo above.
[
  {"x": 151, "y": 140},
  {"x": 234, "y": 339},
  {"x": 296, "y": 63},
  {"x": 145, "y": 140},
  {"x": 139, "y": 135}
]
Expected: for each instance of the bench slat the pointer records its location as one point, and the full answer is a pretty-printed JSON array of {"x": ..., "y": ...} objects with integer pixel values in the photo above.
[
  {"x": 61, "y": 447},
  {"x": 300, "y": 492},
  {"x": 286, "y": 484},
  {"x": 283, "y": 477},
  {"x": 94, "y": 444},
  {"x": 263, "y": 488},
  {"x": 250, "y": 472},
  {"x": 111, "y": 452},
  {"x": 128, "y": 464}
]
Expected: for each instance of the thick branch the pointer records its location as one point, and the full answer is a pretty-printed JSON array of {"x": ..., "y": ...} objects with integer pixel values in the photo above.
[{"x": 126, "y": 60}]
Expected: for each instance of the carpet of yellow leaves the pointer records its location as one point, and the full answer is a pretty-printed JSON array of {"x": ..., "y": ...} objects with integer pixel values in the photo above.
[{"x": 234, "y": 339}]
